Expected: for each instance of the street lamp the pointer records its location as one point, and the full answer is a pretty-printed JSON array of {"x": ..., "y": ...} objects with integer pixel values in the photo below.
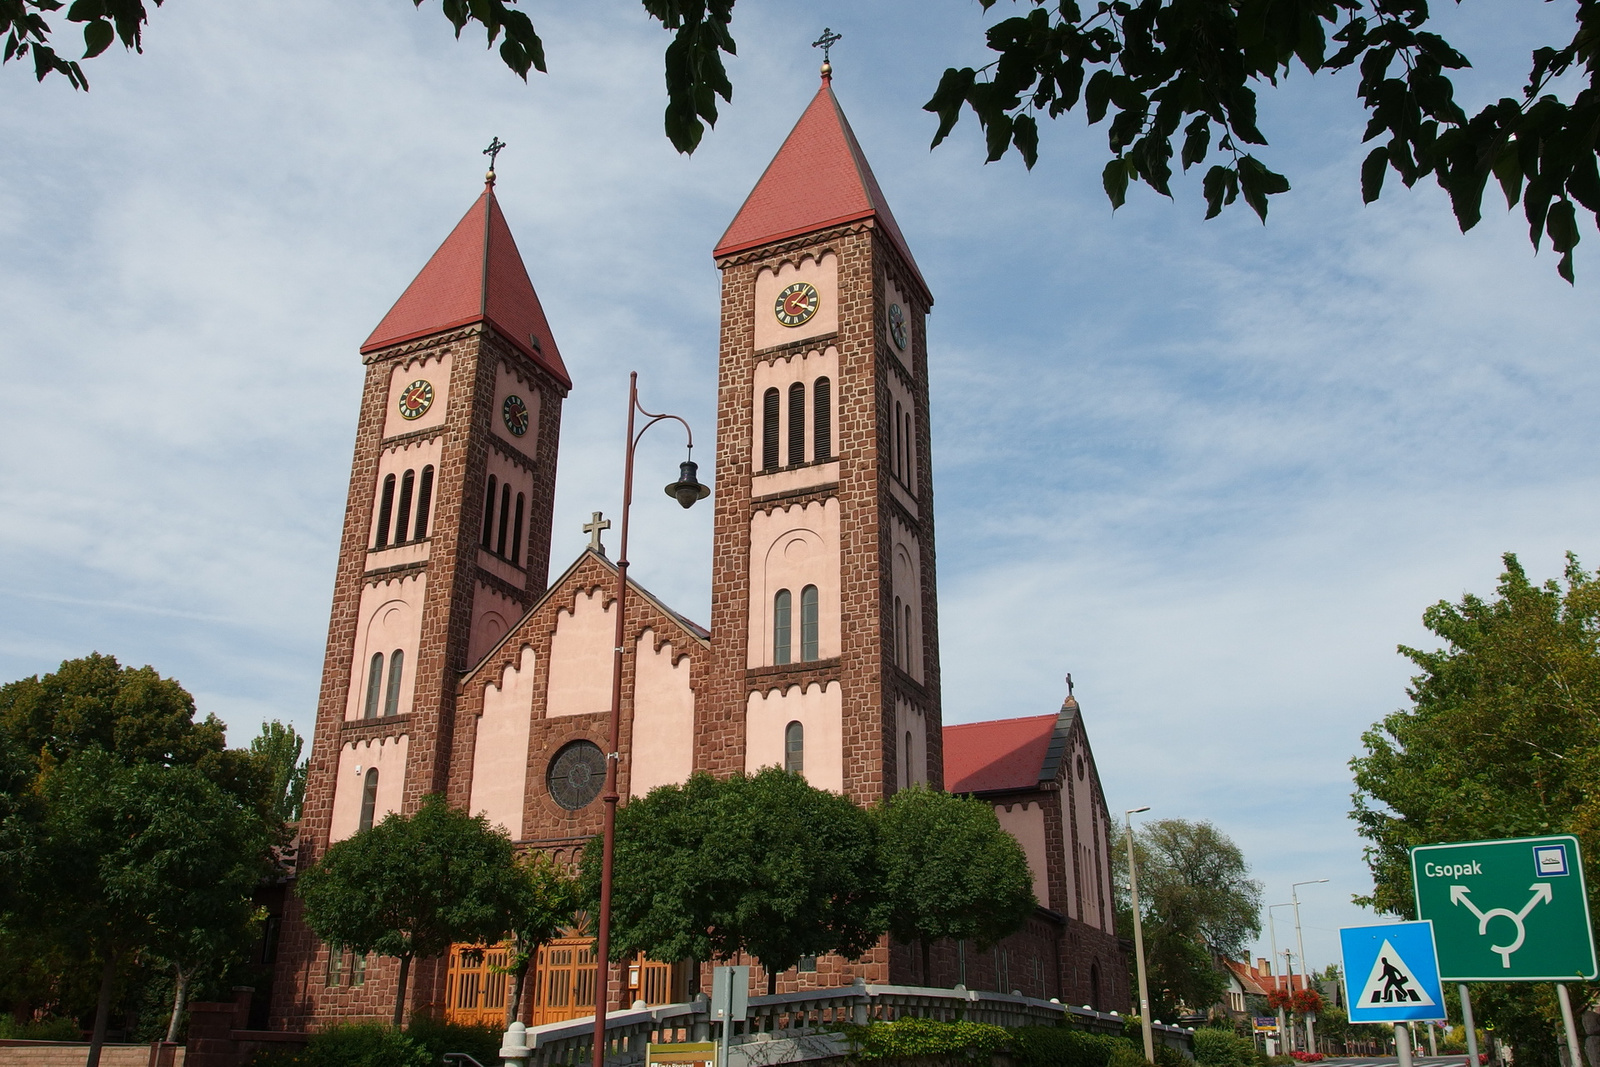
[
  {"x": 686, "y": 490},
  {"x": 1272, "y": 926},
  {"x": 1294, "y": 895},
  {"x": 1138, "y": 939}
]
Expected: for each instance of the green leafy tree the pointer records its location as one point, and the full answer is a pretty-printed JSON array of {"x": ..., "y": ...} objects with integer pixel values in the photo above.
[
  {"x": 545, "y": 903},
  {"x": 142, "y": 858},
  {"x": 764, "y": 864},
  {"x": 1501, "y": 739},
  {"x": 279, "y": 746},
  {"x": 950, "y": 871},
  {"x": 413, "y": 885},
  {"x": 1197, "y": 901},
  {"x": 1154, "y": 67}
]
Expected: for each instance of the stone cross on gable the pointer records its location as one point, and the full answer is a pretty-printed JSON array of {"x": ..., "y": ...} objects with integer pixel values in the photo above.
[{"x": 593, "y": 528}]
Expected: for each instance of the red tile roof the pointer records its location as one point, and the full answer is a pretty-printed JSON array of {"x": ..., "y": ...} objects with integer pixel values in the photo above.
[
  {"x": 819, "y": 178},
  {"x": 1002, "y": 754},
  {"x": 477, "y": 275}
]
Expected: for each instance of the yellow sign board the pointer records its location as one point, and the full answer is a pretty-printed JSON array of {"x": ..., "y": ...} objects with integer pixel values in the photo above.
[{"x": 685, "y": 1054}]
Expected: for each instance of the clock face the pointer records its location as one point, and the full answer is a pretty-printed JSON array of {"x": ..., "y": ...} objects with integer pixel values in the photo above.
[
  {"x": 515, "y": 412},
  {"x": 897, "y": 326},
  {"x": 416, "y": 399},
  {"x": 796, "y": 304}
]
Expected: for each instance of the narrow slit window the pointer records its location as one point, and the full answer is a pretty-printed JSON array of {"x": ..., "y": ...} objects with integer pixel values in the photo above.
[
  {"x": 505, "y": 519},
  {"x": 894, "y": 632},
  {"x": 391, "y": 698},
  {"x": 822, "y": 420},
  {"x": 808, "y": 623},
  {"x": 488, "y": 514},
  {"x": 797, "y": 424},
  {"x": 794, "y": 748},
  {"x": 385, "y": 511},
  {"x": 374, "y": 684},
  {"x": 769, "y": 430},
  {"x": 516, "y": 531},
  {"x": 909, "y": 640},
  {"x": 402, "y": 521},
  {"x": 782, "y": 619},
  {"x": 369, "y": 799},
  {"x": 899, "y": 445},
  {"x": 911, "y": 454},
  {"x": 424, "y": 502},
  {"x": 910, "y": 775}
]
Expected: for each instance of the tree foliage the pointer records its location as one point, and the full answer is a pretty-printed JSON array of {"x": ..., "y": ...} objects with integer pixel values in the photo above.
[
  {"x": 1502, "y": 739},
  {"x": 1196, "y": 901},
  {"x": 279, "y": 747},
  {"x": 411, "y": 886},
  {"x": 545, "y": 901},
  {"x": 950, "y": 871},
  {"x": 763, "y": 864}
]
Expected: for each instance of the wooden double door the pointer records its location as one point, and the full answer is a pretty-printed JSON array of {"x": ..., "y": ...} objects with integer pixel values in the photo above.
[{"x": 560, "y": 984}]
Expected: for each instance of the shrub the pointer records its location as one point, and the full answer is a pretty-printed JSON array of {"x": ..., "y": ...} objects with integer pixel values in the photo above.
[
  {"x": 1223, "y": 1048},
  {"x": 918, "y": 1038},
  {"x": 482, "y": 1043},
  {"x": 352, "y": 1045},
  {"x": 1058, "y": 1046},
  {"x": 50, "y": 1028}
]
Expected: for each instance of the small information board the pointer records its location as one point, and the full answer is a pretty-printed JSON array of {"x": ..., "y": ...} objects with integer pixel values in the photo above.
[
  {"x": 684, "y": 1054},
  {"x": 1391, "y": 973},
  {"x": 1265, "y": 1024},
  {"x": 1507, "y": 911}
]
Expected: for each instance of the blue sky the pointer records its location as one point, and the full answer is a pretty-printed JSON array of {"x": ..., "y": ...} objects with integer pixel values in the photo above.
[{"x": 1216, "y": 470}]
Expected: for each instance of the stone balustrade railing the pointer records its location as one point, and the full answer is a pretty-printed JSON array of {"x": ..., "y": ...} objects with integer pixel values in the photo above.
[{"x": 794, "y": 1027}]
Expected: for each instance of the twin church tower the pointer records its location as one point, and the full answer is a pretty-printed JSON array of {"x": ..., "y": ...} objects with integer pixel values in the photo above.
[{"x": 455, "y": 665}]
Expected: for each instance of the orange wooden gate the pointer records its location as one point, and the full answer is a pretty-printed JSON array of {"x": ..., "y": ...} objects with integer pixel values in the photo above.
[
  {"x": 560, "y": 984},
  {"x": 475, "y": 985},
  {"x": 563, "y": 980}
]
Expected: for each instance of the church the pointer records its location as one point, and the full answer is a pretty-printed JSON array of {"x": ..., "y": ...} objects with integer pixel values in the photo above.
[{"x": 455, "y": 664}]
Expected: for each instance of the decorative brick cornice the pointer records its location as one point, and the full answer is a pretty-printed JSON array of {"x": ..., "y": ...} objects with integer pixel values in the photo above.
[
  {"x": 765, "y": 680},
  {"x": 808, "y": 494},
  {"x": 515, "y": 455},
  {"x": 790, "y": 349},
  {"x": 399, "y": 570},
  {"x": 806, "y": 242},
  {"x": 422, "y": 344},
  {"x": 367, "y": 729},
  {"x": 411, "y": 437}
]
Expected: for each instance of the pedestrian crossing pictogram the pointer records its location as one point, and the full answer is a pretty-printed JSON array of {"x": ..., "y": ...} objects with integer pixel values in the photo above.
[
  {"x": 1391, "y": 981},
  {"x": 1401, "y": 972}
]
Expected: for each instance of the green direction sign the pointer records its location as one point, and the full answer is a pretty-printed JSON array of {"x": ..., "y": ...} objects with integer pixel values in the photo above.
[{"x": 1506, "y": 911}]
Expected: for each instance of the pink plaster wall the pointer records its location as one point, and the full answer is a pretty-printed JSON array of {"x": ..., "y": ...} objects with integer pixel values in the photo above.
[
  {"x": 905, "y": 571},
  {"x": 663, "y": 717},
  {"x": 434, "y": 368},
  {"x": 819, "y": 710},
  {"x": 1025, "y": 822},
  {"x": 390, "y": 614},
  {"x": 779, "y": 374},
  {"x": 822, "y": 273},
  {"x": 520, "y": 477},
  {"x": 506, "y": 383},
  {"x": 792, "y": 548},
  {"x": 355, "y": 759},
  {"x": 500, "y": 753},
  {"x": 492, "y": 615},
  {"x": 412, "y": 456},
  {"x": 581, "y": 656},
  {"x": 913, "y": 765}
]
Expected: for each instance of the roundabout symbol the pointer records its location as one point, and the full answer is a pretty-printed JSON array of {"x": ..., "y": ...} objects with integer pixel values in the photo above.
[{"x": 1541, "y": 895}]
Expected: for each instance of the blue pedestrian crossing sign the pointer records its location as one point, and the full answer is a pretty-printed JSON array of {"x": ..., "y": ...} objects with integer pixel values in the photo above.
[{"x": 1391, "y": 973}]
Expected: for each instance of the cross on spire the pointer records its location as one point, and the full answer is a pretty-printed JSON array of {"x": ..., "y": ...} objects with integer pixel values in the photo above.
[
  {"x": 1069, "y": 685},
  {"x": 493, "y": 152},
  {"x": 593, "y": 528},
  {"x": 826, "y": 43}
]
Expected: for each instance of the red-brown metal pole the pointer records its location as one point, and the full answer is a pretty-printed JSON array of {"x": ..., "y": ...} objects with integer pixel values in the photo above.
[{"x": 602, "y": 962}]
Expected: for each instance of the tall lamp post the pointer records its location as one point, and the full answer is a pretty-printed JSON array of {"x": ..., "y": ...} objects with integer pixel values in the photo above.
[
  {"x": 686, "y": 490},
  {"x": 1305, "y": 968},
  {"x": 1138, "y": 939},
  {"x": 1272, "y": 926}
]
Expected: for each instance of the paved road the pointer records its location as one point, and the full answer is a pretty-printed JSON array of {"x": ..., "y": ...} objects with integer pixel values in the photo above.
[{"x": 1387, "y": 1061}]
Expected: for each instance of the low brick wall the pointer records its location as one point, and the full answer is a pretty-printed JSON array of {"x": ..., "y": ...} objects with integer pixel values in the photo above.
[
  {"x": 217, "y": 1037},
  {"x": 73, "y": 1053}
]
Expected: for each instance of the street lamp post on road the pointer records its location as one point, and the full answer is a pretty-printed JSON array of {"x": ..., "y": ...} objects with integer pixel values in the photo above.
[
  {"x": 1294, "y": 894},
  {"x": 686, "y": 490},
  {"x": 1138, "y": 939},
  {"x": 1272, "y": 927}
]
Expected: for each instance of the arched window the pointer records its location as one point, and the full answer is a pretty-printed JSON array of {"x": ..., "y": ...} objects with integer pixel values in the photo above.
[
  {"x": 402, "y": 521},
  {"x": 424, "y": 500},
  {"x": 808, "y": 623},
  {"x": 488, "y": 514},
  {"x": 516, "y": 532},
  {"x": 374, "y": 684},
  {"x": 794, "y": 748},
  {"x": 899, "y": 446},
  {"x": 369, "y": 799},
  {"x": 391, "y": 699},
  {"x": 898, "y": 637},
  {"x": 907, "y": 774},
  {"x": 769, "y": 430},
  {"x": 385, "y": 511},
  {"x": 797, "y": 424},
  {"x": 822, "y": 420},
  {"x": 910, "y": 640},
  {"x": 911, "y": 454},
  {"x": 505, "y": 518},
  {"x": 1094, "y": 985},
  {"x": 782, "y": 619}
]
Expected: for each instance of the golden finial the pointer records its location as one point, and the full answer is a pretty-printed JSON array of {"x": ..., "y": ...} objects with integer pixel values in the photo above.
[
  {"x": 826, "y": 43},
  {"x": 492, "y": 151}
]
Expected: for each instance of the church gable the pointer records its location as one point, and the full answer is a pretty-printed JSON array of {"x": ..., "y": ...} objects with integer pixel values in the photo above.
[{"x": 534, "y": 712}]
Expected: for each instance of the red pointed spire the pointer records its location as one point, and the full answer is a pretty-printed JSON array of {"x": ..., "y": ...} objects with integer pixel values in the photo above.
[
  {"x": 477, "y": 275},
  {"x": 819, "y": 178}
]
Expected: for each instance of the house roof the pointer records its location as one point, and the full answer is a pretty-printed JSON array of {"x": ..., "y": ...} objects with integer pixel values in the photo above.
[
  {"x": 1249, "y": 980},
  {"x": 819, "y": 178},
  {"x": 1001, "y": 754},
  {"x": 477, "y": 275}
]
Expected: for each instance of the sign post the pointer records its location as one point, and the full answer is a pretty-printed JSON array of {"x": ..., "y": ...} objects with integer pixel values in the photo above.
[
  {"x": 730, "y": 1003},
  {"x": 1508, "y": 911},
  {"x": 1391, "y": 975}
]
